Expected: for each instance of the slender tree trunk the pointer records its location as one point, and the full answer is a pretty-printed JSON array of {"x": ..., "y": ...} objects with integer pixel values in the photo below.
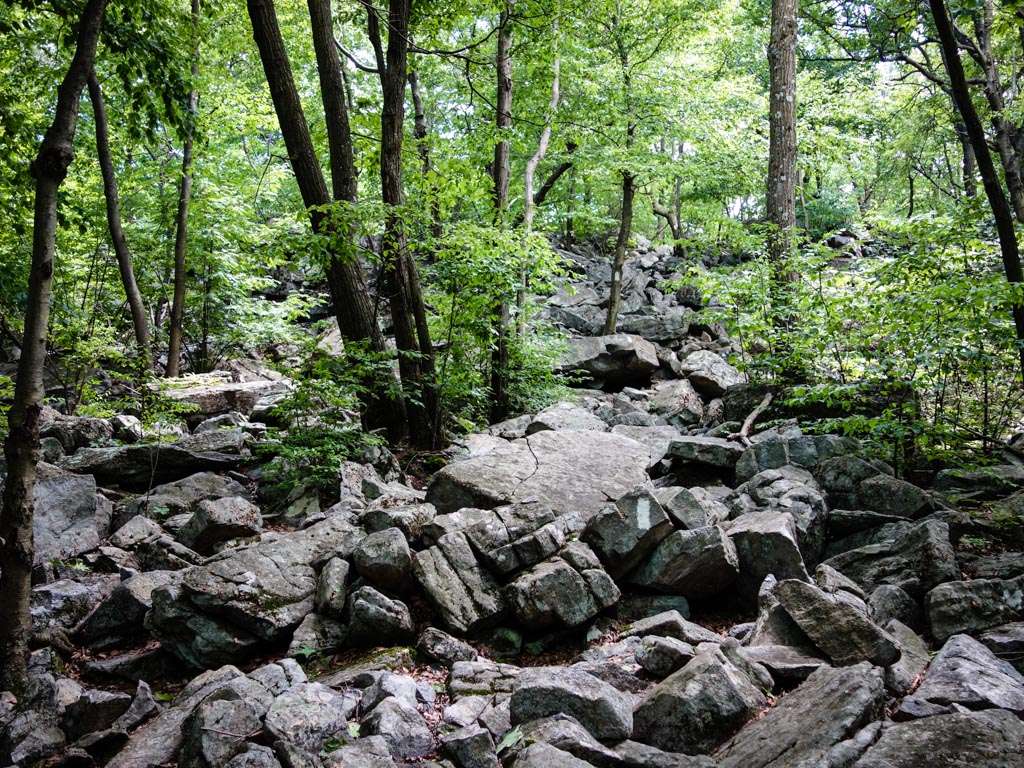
[
  {"x": 529, "y": 201},
  {"x": 21, "y": 447},
  {"x": 502, "y": 171},
  {"x": 970, "y": 166},
  {"x": 1001, "y": 210},
  {"x": 408, "y": 312},
  {"x": 619, "y": 259},
  {"x": 140, "y": 321},
  {"x": 181, "y": 218},
  {"x": 421, "y": 132},
  {"x": 781, "y": 192}
]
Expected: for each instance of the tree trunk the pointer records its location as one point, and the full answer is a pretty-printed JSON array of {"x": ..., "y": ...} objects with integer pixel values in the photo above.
[
  {"x": 408, "y": 312},
  {"x": 1000, "y": 206},
  {"x": 181, "y": 218},
  {"x": 420, "y": 132},
  {"x": 970, "y": 166},
  {"x": 21, "y": 447},
  {"x": 781, "y": 192},
  {"x": 502, "y": 170},
  {"x": 140, "y": 321},
  {"x": 619, "y": 259}
]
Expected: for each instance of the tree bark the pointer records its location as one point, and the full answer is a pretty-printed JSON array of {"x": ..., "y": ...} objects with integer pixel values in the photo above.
[
  {"x": 619, "y": 259},
  {"x": 137, "y": 307},
  {"x": 21, "y": 447},
  {"x": 175, "y": 334},
  {"x": 1000, "y": 206},
  {"x": 501, "y": 169},
  {"x": 408, "y": 312},
  {"x": 969, "y": 168},
  {"x": 420, "y": 132}
]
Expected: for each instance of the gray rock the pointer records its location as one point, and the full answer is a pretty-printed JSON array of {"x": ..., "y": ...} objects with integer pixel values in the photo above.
[
  {"x": 1006, "y": 642},
  {"x": 841, "y": 631},
  {"x": 217, "y": 731},
  {"x": 121, "y": 615},
  {"x": 709, "y": 373},
  {"x": 254, "y": 756},
  {"x": 971, "y": 606},
  {"x": 402, "y": 727},
  {"x": 66, "y": 521},
  {"x": 565, "y": 416},
  {"x": 332, "y": 588},
  {"x": 801, "y": 729},
  {"x": 784, "y": 662},
  {"x": 635, "y": 607},
  {"x": 605, "y": 712},
  {"x": 383, "y": 559},
  {"x": 376, "y": 619},
  {"x": 892, "y": 496},
  {"x": 889, "y": 602},
  {"x": 692, "y": 508},
  {"x": 367, "y": 752},
  {"x": 126, "y": 428},
  {"x": 64, "y": 603},
  {"x": 714, "y": 452},
  {"x": 624, "y": 534},
  {"x": 636, "y": 755},
  {"x": 1002, "y": 565},
  {"x": 440, "y": 646},
  {"x": 470, "y": 747},
  {"x": 902, "y": 676},
  {"x": 464, "y": 594},
  {"x": 671, "y": 624},
  {"x": 963, "y": 740},
  {"x": 616, "y": 360},
  {"x": 666, "y": 325},
  {"x": 654, "y": 437},
  {"x": 94, "y": 710},
  {"x": 541, "y": 755},
  {"x": 697, "y": 563},
  {"x": 555, "y": 594},
  {"x": 307, "y": 715},
  {"x": 661, "y": 656},
  {"x": 807, "y": 451},
  {"x": 766, "y": 543},
  {"x": 677, "y": 402},
  {"x": 916, "y": 561},
  {"x": 29, "y": 737},
  {"x": 178, "y": 497},
  {"x": 410, "y": 519},
  {"x": 968, "y": 674},
  {"x": 564, "y": 732},
  {"x": 218, "y": 520},
  {"x": 566, "y": 471},
  {"x": 481, "y": 678},
  {"x": 697, "y": 708},
  {"x": 984, "y": 483}
]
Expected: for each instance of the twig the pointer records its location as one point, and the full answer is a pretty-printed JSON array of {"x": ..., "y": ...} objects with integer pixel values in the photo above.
[{"x": 744, "y": 434}]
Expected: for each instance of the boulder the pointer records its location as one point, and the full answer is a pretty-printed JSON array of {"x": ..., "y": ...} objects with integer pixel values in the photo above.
[
  {"x": 308, "y": 715},
  {"x": 376, "y": 619},
  {"x": 440, "y": 646},
  {"x": 963, "y": 740},
  {"x": 806, "y": 451},
  {"x": 709, "y": 373},
  {"x": 966, "y": 673},
  {"x": 216, "y": 731},
  {"x": 617, "y": 360},
  {"x": 971, "y": 606},
  {"x": 367, "y": 752},
  {"x": 692, "y": 508},
  {"x": 1006, "y": 642},
  {"x": 664, "y": 326},
  {"x": 470, "y": 747},
  {"x": 215, "y": 393},
  {"x": 67, "y": 521},
  {"x": 541, "y": 755},
  {"x": 916, "y": 561},
  {"x": 555, "y": 594},
  {"x": 463, "y": 592},
  {"x": 696, "y": 564},
  {"x": 331, "y": 588},
  {"x": 889, "y": 602},
  {"x": 655, "y": 438},
  {"x": 715, "y": 452},
  {"x": 623, "y": 534},
  {"x": 139, "y": 465},
  {"x": 905, "y": 674},
  {"x": 841, "y": 631},
  {"x": 677, "y": 402},
  {"x": 402, "y": 727},
  {"x": 565, "y": 416},
  {"x": 661, "y": 656},
  {"x": 383, "y": 559},
  {"x": 218, "y": 520},
  {"x": 120, "y": 616},
  {"x": 671, "y": 624},
  {"x": 766, "y": 543},
  {"x": 605, "y": 712},
  {"x": 178, "y": 497},
  {"x": 827, "y": 708},
  {"x": 566, "y": 471},
  {"x": 695, "y": 709}
]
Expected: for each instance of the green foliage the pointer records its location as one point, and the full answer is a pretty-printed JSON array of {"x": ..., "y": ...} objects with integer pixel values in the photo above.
[{"x": 319, "y": 420}]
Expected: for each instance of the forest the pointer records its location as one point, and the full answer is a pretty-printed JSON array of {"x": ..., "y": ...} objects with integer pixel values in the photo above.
[{"x": 512, "y": 383}]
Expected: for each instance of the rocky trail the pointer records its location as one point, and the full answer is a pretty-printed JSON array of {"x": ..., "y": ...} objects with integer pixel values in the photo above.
[{"x": 630, "y": 578}]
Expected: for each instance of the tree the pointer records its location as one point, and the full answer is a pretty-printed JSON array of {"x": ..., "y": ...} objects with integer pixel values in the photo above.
[
  {"x": 181, "y": 217},
  {"x": 140, "y": 320},
  {"x": 1001, "y": 210},
  {"x": 353, "y": 309},
  {"x": 400, "y": 274},
  {"x": 21, "y": 447}
]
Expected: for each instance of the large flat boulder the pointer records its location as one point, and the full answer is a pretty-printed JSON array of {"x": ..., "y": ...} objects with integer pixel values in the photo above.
[
  {"x": 971, "y": 606},
  {"x": 215, "y": 393},
  {"x": 617, "y": 360},
  {"x": 568, "y": 471},
  {"x": 66, "y": 521}
]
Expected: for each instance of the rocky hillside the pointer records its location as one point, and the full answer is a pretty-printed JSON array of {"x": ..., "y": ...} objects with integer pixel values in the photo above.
[{"x": 631, "y": 578}]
